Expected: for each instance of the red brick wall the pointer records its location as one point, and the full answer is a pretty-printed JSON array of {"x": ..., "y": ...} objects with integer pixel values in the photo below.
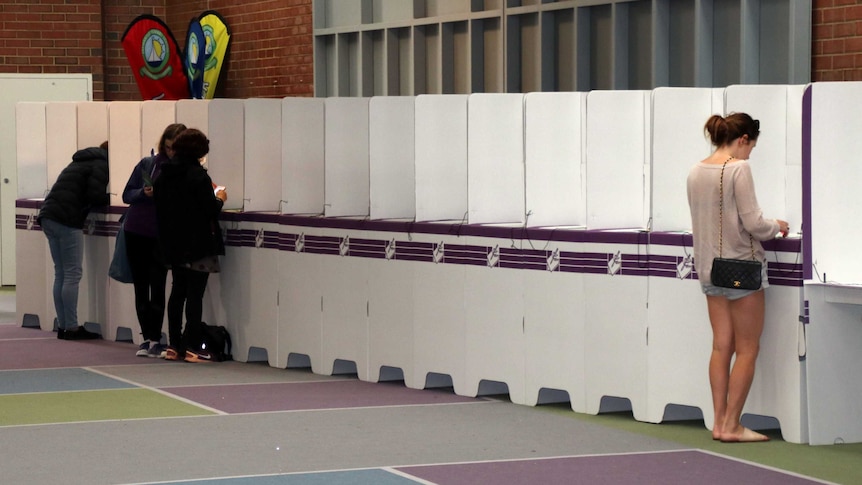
[
  {"x": 270, "y": 48},
  {"x": 53, "y": 37},
  {"x": 836, "y": 48}
]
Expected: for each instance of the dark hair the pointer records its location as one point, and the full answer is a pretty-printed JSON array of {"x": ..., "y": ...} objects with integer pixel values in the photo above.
[
  {"x": 723, "y": 130},
  {"x": 170, "y": 133},
  {"x": 104, "y": 145},
  {"x": 191, "y": 143}
]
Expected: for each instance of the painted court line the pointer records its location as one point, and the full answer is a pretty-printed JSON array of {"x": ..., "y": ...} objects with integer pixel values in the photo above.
[
  {"x": 162, "y": 392},
  {"x": 766, "y": 467}
]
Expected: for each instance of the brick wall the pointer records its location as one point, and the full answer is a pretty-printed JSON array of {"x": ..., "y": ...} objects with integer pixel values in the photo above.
[
  {"x": 53, "y": 37},
  {"x": 836, "y": 50},
  {"x": 270, "y": 48}
]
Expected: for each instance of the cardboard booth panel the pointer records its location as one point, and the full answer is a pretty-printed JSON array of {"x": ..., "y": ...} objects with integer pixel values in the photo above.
[
  {"x": 155, "y": 117},
  {"x": 32, "y": 146},
  {"x": 347, "y": 171},
  {"x": 769, "y": 159},
  {"x": 61, "y": 121},
  {"x": 441, "y": 157},
  {"x": 678, "y": 118},
  {"x": 392, "y": 157},
  {"x": 617, "y": 154},
  {"x": 554, "y": 163},
  {"x": 92, "y": 123},
  {"x": 835, "y": 176},
  {"x": 302, "y": 156},
  {"x": 495, "y": 158},
  {"x": 194, "y": 113},
  {"x": 263, "y": 151},
  {"x": 226, "y": 160},
  {"x": 124, "y": 151}
]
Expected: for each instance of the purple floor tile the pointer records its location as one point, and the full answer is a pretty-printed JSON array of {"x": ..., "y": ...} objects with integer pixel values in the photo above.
[
  {"x": 48, "y": 352},
  {"x": 684, "y": 467},
  {"x": 311, "y": 395}
]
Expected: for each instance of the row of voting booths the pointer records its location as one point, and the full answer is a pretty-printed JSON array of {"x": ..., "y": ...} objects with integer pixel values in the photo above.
[{"x": 531, "y": 244}]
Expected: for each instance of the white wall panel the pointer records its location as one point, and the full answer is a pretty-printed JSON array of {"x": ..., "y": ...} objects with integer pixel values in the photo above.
[
  {"x": 347, "y": 169},
  {"x": 302, "y": 155},
  {"x": 441, "y": 157},
  {"x": 32, "y": 146},
  {"x": 263, "y": 153},
  {"x": 124, "y": 150},
  {"x": 392, "y": 157},
  {"x": 617, "y": 156},
  {"x": 495, "y": 159},
  {"x": 555, "y": 126},
  {"x": 226, "y": 159}
]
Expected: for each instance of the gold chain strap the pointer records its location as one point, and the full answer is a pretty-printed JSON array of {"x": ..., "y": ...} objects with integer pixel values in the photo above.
[{"x": 721, "y": 212}]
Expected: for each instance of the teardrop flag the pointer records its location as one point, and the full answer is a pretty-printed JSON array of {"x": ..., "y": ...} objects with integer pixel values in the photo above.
[
  {"x": 217, "y": 36},
  {"x": 195, "y": 58},
  {"x": 155, "y": 59}
]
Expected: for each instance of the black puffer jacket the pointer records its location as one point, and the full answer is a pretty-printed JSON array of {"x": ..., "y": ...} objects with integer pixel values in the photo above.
[
  {"x": 82, "y": 185},
  {"x": 187, "y": 212}
]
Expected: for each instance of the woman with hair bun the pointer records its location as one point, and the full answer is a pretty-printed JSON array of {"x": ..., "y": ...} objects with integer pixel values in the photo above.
[{"x": 736, "y": 315}]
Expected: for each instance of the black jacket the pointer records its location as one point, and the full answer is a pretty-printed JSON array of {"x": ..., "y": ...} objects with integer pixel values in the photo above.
[
  {"x": 82, "y": 185},
  {"x": 187, "y": 212}
]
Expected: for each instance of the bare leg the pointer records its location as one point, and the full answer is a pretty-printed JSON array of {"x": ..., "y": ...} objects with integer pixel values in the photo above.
[
  {"x": 747, "y": 315},
  {"x": 719, "y": 361}
]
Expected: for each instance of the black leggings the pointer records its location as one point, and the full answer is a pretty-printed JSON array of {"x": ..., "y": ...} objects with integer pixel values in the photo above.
[
  {"x": 148, "y": 275},
  {"x": 187, "y": 290}
]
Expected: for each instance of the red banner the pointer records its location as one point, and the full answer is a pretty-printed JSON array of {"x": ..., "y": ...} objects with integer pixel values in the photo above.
[{"x": 156, "y": 59}]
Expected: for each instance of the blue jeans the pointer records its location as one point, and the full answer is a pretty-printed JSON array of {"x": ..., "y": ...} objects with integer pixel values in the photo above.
[{"x": 67, "y": 251}]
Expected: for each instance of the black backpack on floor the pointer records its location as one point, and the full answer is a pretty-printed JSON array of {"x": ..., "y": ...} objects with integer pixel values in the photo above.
[{"x": 216, "y": 340}]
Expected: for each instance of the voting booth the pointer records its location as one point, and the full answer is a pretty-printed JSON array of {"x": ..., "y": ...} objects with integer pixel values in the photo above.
[{"x": 536, "y": 245}]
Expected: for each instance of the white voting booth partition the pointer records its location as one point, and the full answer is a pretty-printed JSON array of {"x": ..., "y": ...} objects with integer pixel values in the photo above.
[
  {"x": 299, "y": 328},
  {"x": 392, "y": 154},
  {"x": 302, "y": 155},
  {"x": 778, "y": 388},
  {"x": 493, "y": 295},
  {"x": 347, "y": 172},
  {"x": 62, "y": 122},
  {"x": 441, "y": 157},
  {"x": 680, "y": 337},
  {"x": 438, "y": 289},
  {"x": 34, "y": 306},
  {"x": 124, "y": 122},
  {"x": 248, "y": 282},
  {"x": 834, "y": 279},
  {"x": 615, "y": 315},
  {"x": 555, "y": 169},
  {"x": 226, "y": 160},
  {"x": 565, "y": 275},
  {"x": 194, "y": 113}
]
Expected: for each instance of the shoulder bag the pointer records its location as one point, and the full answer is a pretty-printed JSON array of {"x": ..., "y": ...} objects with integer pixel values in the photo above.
[{"x": 739, "y": 274}]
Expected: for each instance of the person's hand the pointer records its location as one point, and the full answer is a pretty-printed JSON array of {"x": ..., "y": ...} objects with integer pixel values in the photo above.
[
  {"x": 783, "y": 227},
  {"x": 148, "y": 190},
  {"x": 222, "y": 194}
]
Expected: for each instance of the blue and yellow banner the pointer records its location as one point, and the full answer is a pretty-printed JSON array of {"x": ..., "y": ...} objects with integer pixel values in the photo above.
[
  {"x": 195, "y": 59},
  {"x": 217, "y": 35}
]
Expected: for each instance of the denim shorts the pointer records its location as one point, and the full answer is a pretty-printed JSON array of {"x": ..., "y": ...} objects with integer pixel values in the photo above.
[{"x": 733, "y": 294}]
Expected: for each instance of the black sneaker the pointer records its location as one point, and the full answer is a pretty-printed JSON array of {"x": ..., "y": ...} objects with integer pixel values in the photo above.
[
  {"x": 61, "y": 334},
  {"x": 79, "y": 333}
]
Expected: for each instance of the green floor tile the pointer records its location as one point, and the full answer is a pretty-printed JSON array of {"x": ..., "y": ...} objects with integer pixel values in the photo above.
[{"x": 64, "y": 407}]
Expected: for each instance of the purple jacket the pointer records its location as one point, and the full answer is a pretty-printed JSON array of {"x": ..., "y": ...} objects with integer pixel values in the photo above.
[{"x": 141, "y": 215}]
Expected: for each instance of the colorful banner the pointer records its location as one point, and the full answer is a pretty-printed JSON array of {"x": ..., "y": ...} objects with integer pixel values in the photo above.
[
  {"x": 217, "y": 35},
  {"x": 195, "y": 59},
  {"x": 155, "y": 58}
]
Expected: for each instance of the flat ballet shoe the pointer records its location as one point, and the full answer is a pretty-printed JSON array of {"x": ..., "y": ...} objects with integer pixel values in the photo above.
[{"x": 747, "y": 436}]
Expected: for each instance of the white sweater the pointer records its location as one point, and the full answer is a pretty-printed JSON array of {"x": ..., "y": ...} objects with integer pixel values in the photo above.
[{"x": 741, "y": 215}]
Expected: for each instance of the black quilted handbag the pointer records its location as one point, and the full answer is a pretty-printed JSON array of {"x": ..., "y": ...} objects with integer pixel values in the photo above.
[{"x": 739, "y": 274}]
